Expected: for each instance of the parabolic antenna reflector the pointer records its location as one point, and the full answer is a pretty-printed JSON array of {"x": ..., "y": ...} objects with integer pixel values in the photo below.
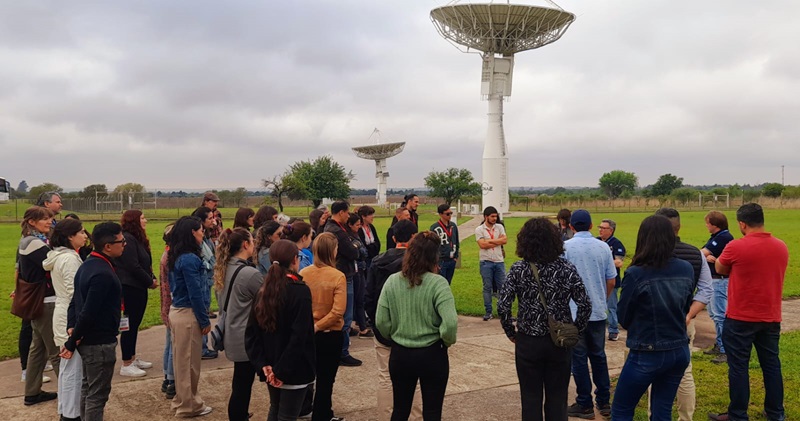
[
  {"x": 501, "y": 28},
  {"x": 379, "y": 151}
]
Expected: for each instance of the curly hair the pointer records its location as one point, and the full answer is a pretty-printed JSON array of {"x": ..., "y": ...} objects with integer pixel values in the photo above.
[
  {"x": 264, "y": 215},
  {"x": 422, "y": 256},
  {"x": 539, "y": 241},
  {"x": 269, "y": 301},
  {"x": 231, "y": 242},
  {"x": 132, "y": 224}
]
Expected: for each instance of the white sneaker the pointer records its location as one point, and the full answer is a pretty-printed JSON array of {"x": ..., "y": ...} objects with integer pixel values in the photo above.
[
  {"x": 142, "y": 364},
  {"x": 131, "y": 371},
  {"x": 207, "y": 410},
  {"x": 23, "y": 376},
  {"x": 48, "y": 367},
  {"x": 45, "y": 379}
]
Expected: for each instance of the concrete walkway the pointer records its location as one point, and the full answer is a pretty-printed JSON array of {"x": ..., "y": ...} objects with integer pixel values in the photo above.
[{"x": 483, "y": 381}]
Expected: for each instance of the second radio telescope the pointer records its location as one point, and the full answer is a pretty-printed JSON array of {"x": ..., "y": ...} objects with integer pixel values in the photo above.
[{"x": 380, "y": 152}]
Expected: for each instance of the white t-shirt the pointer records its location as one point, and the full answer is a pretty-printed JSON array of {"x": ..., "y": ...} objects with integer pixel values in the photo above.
[{"x": 494, "y": 254}]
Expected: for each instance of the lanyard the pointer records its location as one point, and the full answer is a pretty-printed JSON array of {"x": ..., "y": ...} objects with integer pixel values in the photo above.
[
  {"x": 340, "y": 226},
  {"x": 449, "y": 232},
  {"x": 292, "y": 277},
  {"x": 491, "y": 233}
]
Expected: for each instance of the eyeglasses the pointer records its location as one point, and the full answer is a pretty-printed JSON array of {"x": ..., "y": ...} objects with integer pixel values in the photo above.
[
  {"x": 603, "y": 228},
  {"x": 447, "y": 213},
  {"x": 123, "y": 241}
]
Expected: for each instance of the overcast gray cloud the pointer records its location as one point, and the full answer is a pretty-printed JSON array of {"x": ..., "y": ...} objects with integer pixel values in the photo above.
[{"x": 222, "y": 94}]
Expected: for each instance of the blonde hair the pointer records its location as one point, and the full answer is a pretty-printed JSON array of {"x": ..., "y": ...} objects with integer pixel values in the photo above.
[{"x": 324, "y": 250}]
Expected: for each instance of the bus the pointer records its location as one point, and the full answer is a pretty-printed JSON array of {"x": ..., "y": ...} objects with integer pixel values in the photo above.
[{"x": 5, "y": 190}]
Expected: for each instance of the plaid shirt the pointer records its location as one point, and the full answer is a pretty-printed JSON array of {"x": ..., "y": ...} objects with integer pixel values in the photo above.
[
  {"x": 215, "y": 232},
  {"x": 166, "y": 298}
]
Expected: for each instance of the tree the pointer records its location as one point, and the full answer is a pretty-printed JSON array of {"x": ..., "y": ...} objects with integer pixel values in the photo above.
[
  {"x": 321, "y": 178},
  {"x": 735, "y": 190},
  {"x": 684, "y": 194},
  {"x": 615, "y": 182},
  {"x": 451, "y": 184},
  {"x": 772, "y": 189},
  {"x": 92, "y": 189},
  {"x": 129, "y": 187},
  {"x": 238, "y": 195},
  {"x": 666, "y": 184},
  {"x": 37, "y": 191},
  {"x": 22, "y": 188},
  {"x": 283, "y": 185}
]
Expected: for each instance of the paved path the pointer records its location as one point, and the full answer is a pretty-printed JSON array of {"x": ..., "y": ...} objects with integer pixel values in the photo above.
[{"x": 483, "y": 382}]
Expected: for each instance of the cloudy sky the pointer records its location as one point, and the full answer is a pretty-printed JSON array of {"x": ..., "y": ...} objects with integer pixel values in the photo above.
[{"x": 210, "y": 94}]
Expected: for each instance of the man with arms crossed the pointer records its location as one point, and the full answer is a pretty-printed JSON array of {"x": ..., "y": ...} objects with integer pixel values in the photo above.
[
  {"x": 592, "y": 258},
  {"x": 93, "y": 320},
  {"x": 756, "y": 265},
  {"x": 448, "y": 235},
  {"x": 717, "y": 225},
  {"x": 491, "y": 237}
]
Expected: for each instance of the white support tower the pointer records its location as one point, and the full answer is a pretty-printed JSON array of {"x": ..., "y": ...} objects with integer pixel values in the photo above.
[
  {"x": 380, "y": 152},
  {"x": 498, "y": 31}
]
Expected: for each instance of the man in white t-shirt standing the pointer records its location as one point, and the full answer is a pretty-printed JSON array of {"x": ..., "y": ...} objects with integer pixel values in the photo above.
[{"x": 491, "y": 237}]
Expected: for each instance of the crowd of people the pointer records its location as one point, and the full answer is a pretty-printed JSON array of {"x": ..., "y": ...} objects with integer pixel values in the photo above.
[{"x": 292, "y": 294}]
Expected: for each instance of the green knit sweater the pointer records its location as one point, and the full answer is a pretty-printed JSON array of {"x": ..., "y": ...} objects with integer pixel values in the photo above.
[{"x": 417, "y": 317}]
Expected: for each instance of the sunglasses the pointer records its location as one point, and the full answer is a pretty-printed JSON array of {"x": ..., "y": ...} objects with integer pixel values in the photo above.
[{"x": 447, "y": 213}]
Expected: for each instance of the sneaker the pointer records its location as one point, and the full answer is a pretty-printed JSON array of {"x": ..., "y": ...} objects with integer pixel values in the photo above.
[
  {"x": 142, "y": 364},
  {"x": 63, "y": 418},
  {"x": 712, "y": 351},
  {"x": 487, "y": 317},
  {"x": 209, "y": 355},
  {"x": 207, "y": 410},
  {"x": 576, "y": 410},
  {"x": 719, "y": 359},
  {"x": 23, "y": 376},
  {"x": 164, "y": 385},
  {"x": 349, "y": 361},
  {"x": 170, "y": 392},
  {"x": 305, "y": 416},
  {"x": 41, "y": 397},
  {"x": 605, "y": 410},
  {"x": 48, "y": 367},
  {"x": 352, "y": 332},
  {"x": 723, "y": 416},
  {"x": 366, "y": 334},
  {"x": 131, "y": 371},
  {"x": 613, "y": 336},
  {"x": 211, "y": 315},
  {"x": 338, "y": 419},
  {"x": 45, "y": 379}
]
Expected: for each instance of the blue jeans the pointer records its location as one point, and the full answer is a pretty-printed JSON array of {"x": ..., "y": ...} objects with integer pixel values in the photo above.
[
  {"x": 739, "y": 338},
  {"x": 591, "y": 347},
  {"x": 662, "y": 369},
  {"x": 447, "y": 268},
  {"x": 348, "y": 317},
  {"x": 493, "y": 273},
  {"x": 613, "y": 320},
  {"x": 719, "y": 304},
  {"x": 169, "y": 371}
]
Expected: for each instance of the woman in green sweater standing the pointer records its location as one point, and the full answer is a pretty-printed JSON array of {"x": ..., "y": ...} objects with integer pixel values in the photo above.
[{"x": 417, "y": 312}]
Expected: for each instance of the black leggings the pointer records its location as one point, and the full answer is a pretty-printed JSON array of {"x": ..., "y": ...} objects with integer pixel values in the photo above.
[
  {"x": 328, "y": 351},
  {"x": 135, "y": 304},
  {"x": 429, "y": 365},
  {"x": 25, "y": 340},
  {"x": 241, "y": 388}
]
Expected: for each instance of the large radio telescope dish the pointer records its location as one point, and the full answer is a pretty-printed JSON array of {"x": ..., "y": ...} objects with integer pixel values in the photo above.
[
  {"x": 501, "y": 28},
  {"x": 379, "y": 151}
]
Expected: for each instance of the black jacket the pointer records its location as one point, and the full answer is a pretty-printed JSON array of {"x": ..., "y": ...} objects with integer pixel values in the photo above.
[
  {"x": 135, "y": 266},
  {"x": 348, "y": 249},
  {"x": 290, "y": 349},
  {"x": 383, "y": 266},
  {"x": 95, "y": 308},
  {"x": 372, "y": 249}
]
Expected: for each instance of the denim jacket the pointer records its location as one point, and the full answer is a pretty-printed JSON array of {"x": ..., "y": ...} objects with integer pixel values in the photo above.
[
  {"x": 188, "y": 287},
  {"x": 654, "y": 303}
]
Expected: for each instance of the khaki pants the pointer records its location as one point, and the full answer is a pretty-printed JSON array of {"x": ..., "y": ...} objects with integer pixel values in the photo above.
[
  {"x": 42, "y": 349},
  {"x": 385, "y": 393},
  {"x": 686, "y": 400},
  {"x": 187, "y": 352}
]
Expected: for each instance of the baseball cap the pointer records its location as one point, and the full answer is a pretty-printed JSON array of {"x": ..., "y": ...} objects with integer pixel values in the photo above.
[{"x": 581, "y": 220}]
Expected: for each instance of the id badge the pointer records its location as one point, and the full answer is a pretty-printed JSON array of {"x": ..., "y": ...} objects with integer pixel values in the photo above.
[
  {"x": 124, "y": 324},
  {"x": 452, "y": 253}
]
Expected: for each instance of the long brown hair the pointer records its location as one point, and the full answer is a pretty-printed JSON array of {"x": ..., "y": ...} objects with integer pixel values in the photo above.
[
  {"x": 34, "y": 213},
  {"x": 231, "y": 242},
  {"x": 132, "y": 224},
  {"x": 422, "y": 256},
  {"x": 241, "y": 217},
  {"x": 269, "y": 301},
  {"x": 324, "y": 250}
]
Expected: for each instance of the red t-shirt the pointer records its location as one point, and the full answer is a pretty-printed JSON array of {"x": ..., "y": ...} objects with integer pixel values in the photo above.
[{"x": 758, "y": 264}]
